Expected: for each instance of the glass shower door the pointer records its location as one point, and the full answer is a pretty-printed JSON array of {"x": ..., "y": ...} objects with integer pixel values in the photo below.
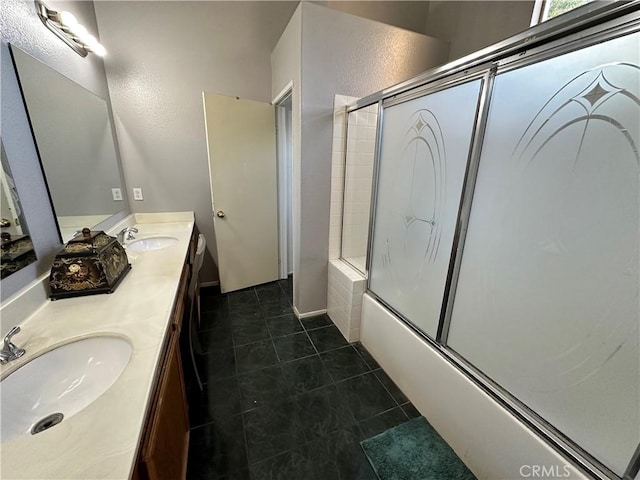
[
  {"x": 421, "y": 170},
  {"x": 547, "y": 298}
]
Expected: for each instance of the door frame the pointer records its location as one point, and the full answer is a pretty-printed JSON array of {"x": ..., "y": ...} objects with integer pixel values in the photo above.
[{"x": 284, "y": 153}]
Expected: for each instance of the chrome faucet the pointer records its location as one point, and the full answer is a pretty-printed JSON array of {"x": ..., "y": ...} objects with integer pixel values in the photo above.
[
  {"x": 126, "y": 234},
  {"x": 9, "y": 351}
]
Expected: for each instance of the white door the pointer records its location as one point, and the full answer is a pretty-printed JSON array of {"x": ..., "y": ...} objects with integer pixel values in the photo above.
[{"x": 241, "y": 142}]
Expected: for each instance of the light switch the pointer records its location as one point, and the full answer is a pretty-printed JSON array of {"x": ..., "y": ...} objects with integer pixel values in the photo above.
[
  {"x": 137, "y": 194},
  {"x": 117, "y": 194}
]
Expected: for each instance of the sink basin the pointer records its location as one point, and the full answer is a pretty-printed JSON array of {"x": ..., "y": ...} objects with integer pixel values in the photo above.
[
  {"x": 151, "y": 243},
  {"x": 60, "y": 383}
]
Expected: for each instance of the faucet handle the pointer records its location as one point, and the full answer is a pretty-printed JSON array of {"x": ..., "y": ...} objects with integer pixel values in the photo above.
[
  {"x": 10, "y": 351},
  {"x": 12, "y": 332}
]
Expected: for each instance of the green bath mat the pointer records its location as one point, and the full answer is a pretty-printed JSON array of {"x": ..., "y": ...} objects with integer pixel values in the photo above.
[{"x": 414, "y": 451}]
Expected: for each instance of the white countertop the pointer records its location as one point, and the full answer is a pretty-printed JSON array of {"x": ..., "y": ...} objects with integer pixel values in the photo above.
[{"x": 100, "y": 442}]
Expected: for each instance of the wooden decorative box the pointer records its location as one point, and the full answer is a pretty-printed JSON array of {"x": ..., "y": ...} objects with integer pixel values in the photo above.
[
  {"x": 90, "y": 263},
  {"x": 17, "y": 253}
]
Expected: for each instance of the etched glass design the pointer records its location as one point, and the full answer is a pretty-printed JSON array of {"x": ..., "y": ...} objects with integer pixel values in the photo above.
[
  {"x": 547, "y": 299},
  {"x": 423, "y": 159}
]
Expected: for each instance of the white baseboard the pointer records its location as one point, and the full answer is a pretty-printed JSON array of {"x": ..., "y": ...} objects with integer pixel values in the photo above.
[
  {"x": 308, "y": 314},
  {"x": 209, "y": 284}
]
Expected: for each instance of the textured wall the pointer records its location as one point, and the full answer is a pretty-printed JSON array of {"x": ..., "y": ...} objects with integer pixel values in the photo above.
[
  {"x": 165, "y": 55},
  {"x": 410, "y": 15},
  {"x": 286, "y": 68},
  {"x": 347, "y": 55},
  {"x": 472, "y": 25},
  {"x": 21, "y": 26}
]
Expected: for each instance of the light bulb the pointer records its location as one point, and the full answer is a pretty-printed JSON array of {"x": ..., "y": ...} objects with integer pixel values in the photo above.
[
  {"x": 68, "y": 19},
  {"x": 90, "y": 41},
  {"x": 99, "y": 50},
  {"x": 79, "y": 30}
]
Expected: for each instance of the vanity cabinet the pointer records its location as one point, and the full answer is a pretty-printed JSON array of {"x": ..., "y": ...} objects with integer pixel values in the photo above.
[{"x": 164, "y": 451}]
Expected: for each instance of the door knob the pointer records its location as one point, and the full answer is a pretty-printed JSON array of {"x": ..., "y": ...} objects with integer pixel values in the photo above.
[{"x": 220, "y": 214}]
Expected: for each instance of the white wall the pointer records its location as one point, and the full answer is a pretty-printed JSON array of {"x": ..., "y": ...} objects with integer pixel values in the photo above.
[
  {"x": 165, "y": 55},
  {"x": 21, "y": 27},
  {"x": 349, "y": 55},
  {"x": 286, "y": 68},
  {"x": 473, "y": 25}
]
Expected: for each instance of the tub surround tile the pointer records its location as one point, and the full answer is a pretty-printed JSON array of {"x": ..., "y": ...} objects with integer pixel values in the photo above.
[{"x": 344, "y": 298}]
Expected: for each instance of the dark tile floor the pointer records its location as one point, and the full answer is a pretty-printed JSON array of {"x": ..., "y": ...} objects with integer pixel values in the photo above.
[{"x": 284, "y": 398}]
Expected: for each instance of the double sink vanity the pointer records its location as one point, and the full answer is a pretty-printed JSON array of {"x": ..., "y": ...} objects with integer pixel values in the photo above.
[{"x": 99, "y": 391}]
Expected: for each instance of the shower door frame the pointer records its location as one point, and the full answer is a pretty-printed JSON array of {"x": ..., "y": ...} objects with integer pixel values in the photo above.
[{"x": 581, "y": 28}]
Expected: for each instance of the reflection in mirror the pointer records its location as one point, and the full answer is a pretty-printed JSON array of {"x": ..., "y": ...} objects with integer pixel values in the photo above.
[
  {"x": 17, "y": 248},
  {"x": 72, "y": 131}
]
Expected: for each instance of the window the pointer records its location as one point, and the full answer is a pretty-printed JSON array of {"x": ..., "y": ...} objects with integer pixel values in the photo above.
[{"x": 543, "y": 10}]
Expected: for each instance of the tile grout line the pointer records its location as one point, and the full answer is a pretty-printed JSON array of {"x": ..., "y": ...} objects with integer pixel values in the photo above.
[{"x": 280, "y": 363}]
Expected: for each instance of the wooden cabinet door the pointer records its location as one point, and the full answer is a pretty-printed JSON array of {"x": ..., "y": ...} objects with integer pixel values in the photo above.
[{"x": 165, "y": 453}]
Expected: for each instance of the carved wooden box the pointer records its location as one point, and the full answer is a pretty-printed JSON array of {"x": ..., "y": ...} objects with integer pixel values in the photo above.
[{"x": 90, "y": 263}]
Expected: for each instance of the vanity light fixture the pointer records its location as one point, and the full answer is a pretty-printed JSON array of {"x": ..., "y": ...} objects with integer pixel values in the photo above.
[{"x": 67, "y": 28}]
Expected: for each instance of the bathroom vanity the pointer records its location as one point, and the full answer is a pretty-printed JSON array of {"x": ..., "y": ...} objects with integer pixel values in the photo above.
[{"x": 136, "y": 426}]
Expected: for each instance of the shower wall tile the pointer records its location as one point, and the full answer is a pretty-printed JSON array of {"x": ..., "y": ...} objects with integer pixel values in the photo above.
[
  {"x": 357, "y": 186},
  {"x": 346, "y": 285},
  {"x": 344, "y": 299},
  {"x": 337, "y": 172}
]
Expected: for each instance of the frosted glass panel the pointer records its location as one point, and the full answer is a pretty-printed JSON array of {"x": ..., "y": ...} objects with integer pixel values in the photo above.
[
  {"x": 424, "y": 152},
  {"x": 361, "y": 141},
  {"x": 547, "y": 299}
]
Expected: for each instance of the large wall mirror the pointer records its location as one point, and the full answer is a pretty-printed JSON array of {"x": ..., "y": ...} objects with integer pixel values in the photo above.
[
  {"x": 17, "y": 248},
  {"x": 75, "y": 141}
]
